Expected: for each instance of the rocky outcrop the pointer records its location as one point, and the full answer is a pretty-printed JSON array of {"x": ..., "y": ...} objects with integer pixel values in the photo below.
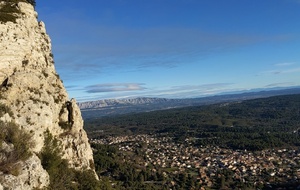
[
  {"x": 31, "y": 88},
  {"x": 31, "y": 175}
]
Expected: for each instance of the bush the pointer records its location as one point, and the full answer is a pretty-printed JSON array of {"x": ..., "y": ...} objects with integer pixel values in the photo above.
[
  {"x": 21, "y": 141},
  {"x": 86, "y": 180},
  {"x": 65, "y": 125},
  {"x": 61, "y": 176},
  {"x": 9, "y": 12},
  {"x": 4, "y": 109}
]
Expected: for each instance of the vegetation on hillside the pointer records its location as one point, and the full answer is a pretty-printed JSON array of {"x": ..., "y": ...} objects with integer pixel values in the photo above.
[
  {"x": 253, "y": 125},
  {"x": 268, "y": 123},
  {"x": 121, "y": 170},
  {"x": 61, "y": 176},
  {"x": 15, "y": 145},
  {"x": 127, "y": 174}
]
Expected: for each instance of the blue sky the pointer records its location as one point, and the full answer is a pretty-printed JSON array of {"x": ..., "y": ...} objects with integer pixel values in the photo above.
[{"x": 172, "y": 48}]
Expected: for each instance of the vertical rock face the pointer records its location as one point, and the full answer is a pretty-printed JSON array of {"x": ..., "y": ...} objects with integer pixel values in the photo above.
[{"x": 31, "y": 88}]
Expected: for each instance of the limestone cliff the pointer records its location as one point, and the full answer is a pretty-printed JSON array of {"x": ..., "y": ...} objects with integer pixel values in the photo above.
[{"x": 31, "y": 88}]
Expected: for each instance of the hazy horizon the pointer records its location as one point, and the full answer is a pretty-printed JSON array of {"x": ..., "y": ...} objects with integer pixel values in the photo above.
[{"x": 172, "y": 49}]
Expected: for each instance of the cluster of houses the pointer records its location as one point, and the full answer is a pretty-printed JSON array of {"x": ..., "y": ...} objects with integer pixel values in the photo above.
[{"x": 267, "y": 166}]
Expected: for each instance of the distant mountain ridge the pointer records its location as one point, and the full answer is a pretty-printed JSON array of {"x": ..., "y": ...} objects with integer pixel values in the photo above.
[
  {"x": 119, "y": 102},
  {"x": 109, "y": 107}
]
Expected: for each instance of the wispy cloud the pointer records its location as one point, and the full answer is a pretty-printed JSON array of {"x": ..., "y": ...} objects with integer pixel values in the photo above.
[
  {"x": 294, "y": 70},
  {"x": 71, "y": 86},
  {"x": 124, "y": 90},
  {"x": 282, "y": 84},
  {"x": 282, "y": 68},
  {"x": 285, "y": 64},
  {"x": 189, "y": 91},
  {"x": 283, "y": 71},
  {"x": 203, "y": 87},
  {"x": 99, "y": 47},
  {"x": 119, "y": 42},
  {"x": 115, "y": 87}
]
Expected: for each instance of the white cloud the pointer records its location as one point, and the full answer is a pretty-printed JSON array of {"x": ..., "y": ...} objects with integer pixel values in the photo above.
[
  {"x": 294, "y": 70},
  {"x": 191, "y": 91},
  {"x": 286, "y": 71},
  {"x": 282, "y": 68},
  {"x": 285, "y": 64},
  {"x": 124, "y": 90},
  {"x": 114, "y": 87},
  {"x": 282, "y": 84}
]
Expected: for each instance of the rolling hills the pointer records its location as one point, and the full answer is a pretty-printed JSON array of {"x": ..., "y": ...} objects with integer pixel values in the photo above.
[{"x": 111, "y": 107}]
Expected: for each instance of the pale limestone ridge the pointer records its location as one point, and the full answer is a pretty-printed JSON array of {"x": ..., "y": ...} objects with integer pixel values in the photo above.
[
  {"x": 127, "y": 101},
  {"x": 32, "y": 89}
]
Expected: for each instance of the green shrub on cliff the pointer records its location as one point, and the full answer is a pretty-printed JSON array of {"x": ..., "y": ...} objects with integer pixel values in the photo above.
[
  {"x": 61, "y": 176},
  {"x": 15, "y": 144},
  {"x": 20, "y": 143}
]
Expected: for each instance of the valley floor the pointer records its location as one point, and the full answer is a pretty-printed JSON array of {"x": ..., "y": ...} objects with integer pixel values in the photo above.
[{"x": 209, "y": 166}]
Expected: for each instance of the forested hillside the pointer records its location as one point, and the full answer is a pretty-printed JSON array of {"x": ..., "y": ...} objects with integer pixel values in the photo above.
[
  {"x": 254, "y": 124},
  {"x": 114, "y": 107},
  {"x": 251, "y": 144}
]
